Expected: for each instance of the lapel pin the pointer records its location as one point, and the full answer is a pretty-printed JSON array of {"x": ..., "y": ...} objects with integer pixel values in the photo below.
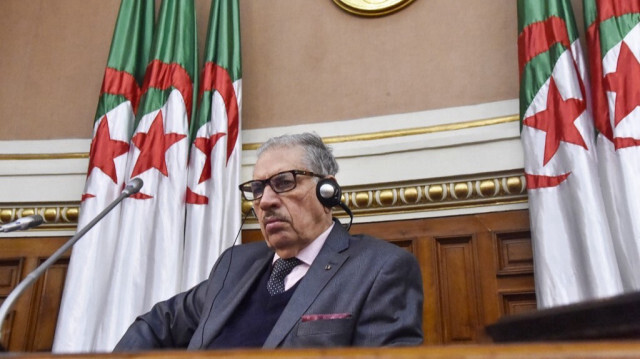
[{"x": 327, "y": 267}]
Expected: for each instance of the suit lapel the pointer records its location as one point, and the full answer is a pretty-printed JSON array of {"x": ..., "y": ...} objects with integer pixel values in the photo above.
[
  {"x": 226, "y": 308},
  {"x": 324, "y": 267}
]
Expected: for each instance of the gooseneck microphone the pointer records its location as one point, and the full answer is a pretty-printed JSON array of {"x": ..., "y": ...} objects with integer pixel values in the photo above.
[
  {"x": 23, "y": 223},
  {"x": 132, "y": 187}
]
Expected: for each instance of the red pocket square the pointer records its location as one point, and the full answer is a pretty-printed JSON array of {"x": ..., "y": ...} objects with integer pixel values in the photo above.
[{"x": 312, "y": 317}]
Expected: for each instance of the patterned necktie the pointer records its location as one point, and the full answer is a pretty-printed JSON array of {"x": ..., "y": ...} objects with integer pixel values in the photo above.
[{"x": 281, "y": 269}]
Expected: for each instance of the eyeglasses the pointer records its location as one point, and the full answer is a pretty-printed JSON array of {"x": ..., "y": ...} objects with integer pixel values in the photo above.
[{"x": 280, "y": 182}]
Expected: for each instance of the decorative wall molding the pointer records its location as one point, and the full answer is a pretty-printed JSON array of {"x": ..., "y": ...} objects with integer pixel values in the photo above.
[
  {"x": 42, "y": 156},
  {"x": 495, "y": 189},
  {"x": 57, "y": 216},
  {"x": 380, "y": 135},
  {"x": 438, "y": 194}
]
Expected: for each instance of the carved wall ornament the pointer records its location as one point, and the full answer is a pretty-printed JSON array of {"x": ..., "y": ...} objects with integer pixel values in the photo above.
[{"x": 372, "y": 7}]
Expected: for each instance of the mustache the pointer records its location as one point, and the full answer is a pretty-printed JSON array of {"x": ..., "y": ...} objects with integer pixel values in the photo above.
[{"x": 270, "y": 216}]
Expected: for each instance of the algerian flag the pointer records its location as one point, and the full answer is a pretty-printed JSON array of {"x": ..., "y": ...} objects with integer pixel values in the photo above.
[
  {"x": 87, "y": 281},
  {"x": 613, "y": 35},
  {"x": 213, "y": 198},
  {"x": 148, "y": 258},
  {"x": 574, "y": 258}
]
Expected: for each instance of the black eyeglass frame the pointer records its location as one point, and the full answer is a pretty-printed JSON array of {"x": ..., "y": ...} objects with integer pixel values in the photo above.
[{"x": 246, "y": 187}]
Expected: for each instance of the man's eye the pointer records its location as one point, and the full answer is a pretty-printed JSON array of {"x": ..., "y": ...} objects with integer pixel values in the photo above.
[
  {"x": 283, "y": 182},
  {"x": 256, "y": 188}
]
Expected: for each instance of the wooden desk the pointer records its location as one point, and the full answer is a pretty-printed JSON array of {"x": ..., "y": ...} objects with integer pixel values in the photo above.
[
  {"x": 610, "y": 318},
  {"x": 555, "y": 350}
]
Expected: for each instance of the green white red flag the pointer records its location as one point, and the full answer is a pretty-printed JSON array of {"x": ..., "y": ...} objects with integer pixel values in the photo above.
[
  {"x": 213, "y": 199},
  {"x": 613, "y": 38},
  {"x": 87, "y": 281},
  {"x": 148, "y": 258},
  {"x": 574, "y": 258}
]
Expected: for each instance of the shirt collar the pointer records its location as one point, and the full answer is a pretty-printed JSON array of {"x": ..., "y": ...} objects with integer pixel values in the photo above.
[{"x": 309, "y": 253}]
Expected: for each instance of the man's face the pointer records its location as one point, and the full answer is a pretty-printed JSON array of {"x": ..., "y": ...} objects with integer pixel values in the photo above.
[{"x": 290, "y": 220}]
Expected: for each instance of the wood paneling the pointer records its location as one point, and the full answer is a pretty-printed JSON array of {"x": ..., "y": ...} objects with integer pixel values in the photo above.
[
  {"x": 10, "y": 273},
  {"x": 31, "y": 323},
  {"x": 457, "y": 287},
  {"x": 518, "y": 303},
  {"x": 515, "y": 255},
  {"x": 45, "y": 306}
]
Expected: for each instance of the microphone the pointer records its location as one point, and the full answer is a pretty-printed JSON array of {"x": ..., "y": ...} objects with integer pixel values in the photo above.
[
  {"x": 132, "y": 187},
  {"x": 23, "y": 223}
]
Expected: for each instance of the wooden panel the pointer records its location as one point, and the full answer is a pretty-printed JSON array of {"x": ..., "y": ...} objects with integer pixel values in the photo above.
[
  {"x": 518, "y": 303},
  {"x": 34, "y": 314},
  {"x": 251, "y": 235},
  {"x": 6, "y": 328},
  {"x": 10, "y": 273},
  {"x": 406, "y": 244},
  {"x": 516, "y": 283},
  {"x": 515, "y": 254},
  {"x": 457, "y": 283},
  {"x": 44, "y": 310}
]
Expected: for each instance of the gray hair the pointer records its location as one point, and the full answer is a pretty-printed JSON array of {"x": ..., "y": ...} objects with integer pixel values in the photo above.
[{"x": 317, "y": 156}]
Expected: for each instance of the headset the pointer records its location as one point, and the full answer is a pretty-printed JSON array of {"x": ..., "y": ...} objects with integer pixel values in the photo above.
[{"x": 329, "y": 194}]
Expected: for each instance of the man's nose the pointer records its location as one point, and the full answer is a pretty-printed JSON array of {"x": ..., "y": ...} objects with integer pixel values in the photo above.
[{"x": 269, "y": 197}]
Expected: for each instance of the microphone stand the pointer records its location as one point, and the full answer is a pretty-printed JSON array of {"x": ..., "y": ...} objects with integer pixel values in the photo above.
[{"x": 133, "y": 187}]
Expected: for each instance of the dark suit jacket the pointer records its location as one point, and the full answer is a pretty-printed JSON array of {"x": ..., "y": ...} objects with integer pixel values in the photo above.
[{"x": 359, "y": 291}]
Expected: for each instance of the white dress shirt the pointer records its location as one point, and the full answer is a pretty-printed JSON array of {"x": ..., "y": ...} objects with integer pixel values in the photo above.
[{"x": 307, "y": 255}]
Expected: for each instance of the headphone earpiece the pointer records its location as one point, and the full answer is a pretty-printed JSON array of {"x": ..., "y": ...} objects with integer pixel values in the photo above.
[{"x": 328, "y": 192}]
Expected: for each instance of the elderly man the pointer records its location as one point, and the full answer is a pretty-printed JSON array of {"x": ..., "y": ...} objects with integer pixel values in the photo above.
[{"x": 310, "y": 284}]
